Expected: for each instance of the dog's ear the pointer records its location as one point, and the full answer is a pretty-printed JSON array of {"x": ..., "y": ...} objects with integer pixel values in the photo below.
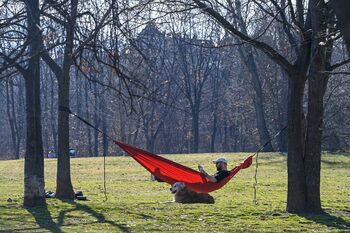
[{"x": 181, "y": 185}]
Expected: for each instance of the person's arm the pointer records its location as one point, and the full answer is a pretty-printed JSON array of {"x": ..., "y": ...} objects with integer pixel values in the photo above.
[{"x": 211, "y": 178}]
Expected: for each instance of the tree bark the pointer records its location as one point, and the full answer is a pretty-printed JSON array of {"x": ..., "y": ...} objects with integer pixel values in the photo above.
[
  {"x": 313, "y": 142},
  {"x": 64, "y": 187},
  {"x": 317, "y": 87},
  {"x": 296, "y": 200},
  {"x": 34, "y": 185}
]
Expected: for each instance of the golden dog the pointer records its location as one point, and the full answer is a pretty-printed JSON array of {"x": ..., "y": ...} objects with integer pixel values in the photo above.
[{"x": 185, "y": 195}]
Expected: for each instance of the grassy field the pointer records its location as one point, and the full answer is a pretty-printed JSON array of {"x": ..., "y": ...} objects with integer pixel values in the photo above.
[{"x": 134, "y": 202}]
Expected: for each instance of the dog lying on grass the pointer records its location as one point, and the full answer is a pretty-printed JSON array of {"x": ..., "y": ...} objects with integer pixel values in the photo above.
[{"x": 185, "y": 195}]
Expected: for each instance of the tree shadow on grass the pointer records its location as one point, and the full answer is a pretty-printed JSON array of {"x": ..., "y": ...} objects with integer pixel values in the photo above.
[
  {"x": 328, "y": 220},
  {"x": 43, "y": 218},
  {"x": 85, "y": 208}
]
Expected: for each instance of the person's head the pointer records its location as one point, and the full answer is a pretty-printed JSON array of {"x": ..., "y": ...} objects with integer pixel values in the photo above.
[{"x": 220, "y": 163}]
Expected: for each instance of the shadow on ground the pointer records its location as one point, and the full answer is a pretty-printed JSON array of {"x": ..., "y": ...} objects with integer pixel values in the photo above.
[
  {"x": 328, "y": 220},
  {"x": 45, "y": 221},
  {"x": 43, "y": 218},
  {"x": 98, "y": 216}
]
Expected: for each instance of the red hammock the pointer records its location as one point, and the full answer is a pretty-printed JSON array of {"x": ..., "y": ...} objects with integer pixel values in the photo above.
[{"x": 171, "y": 172}]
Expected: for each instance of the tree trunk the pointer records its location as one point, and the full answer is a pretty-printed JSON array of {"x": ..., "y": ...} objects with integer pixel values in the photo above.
[
  {"x": 213, "y": 134},
  {"x": 195, "y": 131},
  {"x": 317, "y": 87},
  {"x": 96, "y": 133},
  {"x": 258, "y": 98},
  {"x": 11, "y": 114},
  {"x": 282, "y": 138},
  {"x": 34, "y": 185},
  {"x": 64, "y": 188},
  {"x": 21, "y": 114},
  {"x": 247, "y": 56},
  {"x": 296, "y": 200},
  {"x": 88, "y": 128},
  {"x": 104, "y": 128},
  {"x": 96, "y": 120},
  {"x": 52, "y": 117},
  {"x": 313, "y": 142}
]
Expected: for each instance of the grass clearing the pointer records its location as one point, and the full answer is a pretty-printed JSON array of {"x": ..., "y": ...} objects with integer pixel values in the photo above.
[{"x": 133, "y": 203}]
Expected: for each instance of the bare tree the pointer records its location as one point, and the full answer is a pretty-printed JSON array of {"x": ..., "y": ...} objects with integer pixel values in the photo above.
[
  {"x": 21, "y": 53},
  {"x": 303, "y": 168}
]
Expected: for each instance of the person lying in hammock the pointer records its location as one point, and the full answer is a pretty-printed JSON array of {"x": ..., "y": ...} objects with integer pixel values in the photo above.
[{"x": 221, "y": 167}]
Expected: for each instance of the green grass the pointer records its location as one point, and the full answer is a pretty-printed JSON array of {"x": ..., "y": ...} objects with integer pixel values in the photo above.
[{"x": 133, "y": 203}]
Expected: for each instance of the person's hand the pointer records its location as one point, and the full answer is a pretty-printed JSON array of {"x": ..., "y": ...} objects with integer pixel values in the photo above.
[{"x": 200, "y": 168}]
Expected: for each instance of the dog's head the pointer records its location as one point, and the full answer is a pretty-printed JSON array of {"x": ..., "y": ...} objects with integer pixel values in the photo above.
[{"x": 177, "y": 187}]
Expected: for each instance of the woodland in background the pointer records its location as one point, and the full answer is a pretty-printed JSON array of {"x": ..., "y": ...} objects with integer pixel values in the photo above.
[
  {"x": 174, "y": 77},
  {"x": 188, "y": 94}
]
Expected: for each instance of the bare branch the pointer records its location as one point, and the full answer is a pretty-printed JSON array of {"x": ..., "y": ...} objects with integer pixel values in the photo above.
[{"x": 267, "y": 49}]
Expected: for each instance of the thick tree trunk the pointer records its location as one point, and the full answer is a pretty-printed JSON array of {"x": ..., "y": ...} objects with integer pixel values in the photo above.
[
  {"x": 64, "y": 188},
  {"x": 296, "y": 200},
  {"x": 321, "y": 57},
  {"x": 313, "y": 142},
  {"x": 34, "y": 185}
]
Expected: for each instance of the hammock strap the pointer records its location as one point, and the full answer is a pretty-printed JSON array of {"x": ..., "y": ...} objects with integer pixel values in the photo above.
[
  {"x": 256, "y": 178},
  {"x": 66, "y": 109},
  {"x": 257, "y": 162}
]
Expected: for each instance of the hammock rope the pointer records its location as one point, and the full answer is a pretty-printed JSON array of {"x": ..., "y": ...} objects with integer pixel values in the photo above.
[{"x": 255, "y": 184}]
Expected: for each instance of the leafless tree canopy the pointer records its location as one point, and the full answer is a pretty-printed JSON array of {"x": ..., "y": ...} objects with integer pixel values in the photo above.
[{"x": 175, "y": 77}]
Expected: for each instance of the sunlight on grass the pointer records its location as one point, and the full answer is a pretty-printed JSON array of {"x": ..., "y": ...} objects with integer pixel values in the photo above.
[{"x": 134, "y": 202}]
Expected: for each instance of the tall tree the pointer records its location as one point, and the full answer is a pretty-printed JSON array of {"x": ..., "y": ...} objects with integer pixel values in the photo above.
[
  {"x": 25, "y": 58},
  {"x": 68, "y": 11},
  {"x": 247, "y": 55},
  {"x": 301, "y": 165}
]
